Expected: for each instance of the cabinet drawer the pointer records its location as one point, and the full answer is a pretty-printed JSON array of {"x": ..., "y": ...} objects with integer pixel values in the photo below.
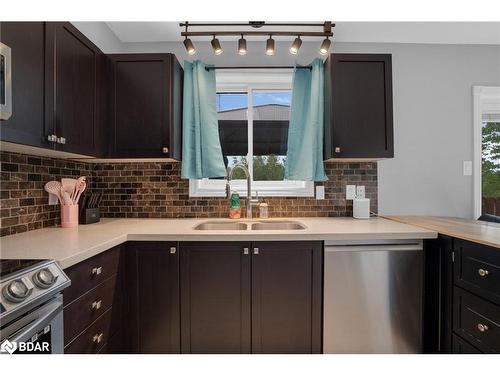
[
  {"x": 460, "y": 346},
  {"x": 88, "y": 274},
  {"x": 476, "y": 320},
  {"x": 477, "y": 269},
  {"x": 84, "y": 310},
  {"x": 94, "y": 337}
]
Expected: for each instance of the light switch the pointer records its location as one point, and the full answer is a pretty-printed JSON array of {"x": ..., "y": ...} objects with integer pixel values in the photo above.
[
  {"x": 360, "y": 191},
  {"x": 320, "y": 192},
  {"x": 350, "y": 191},
  {"x": 467, "y": 168}
]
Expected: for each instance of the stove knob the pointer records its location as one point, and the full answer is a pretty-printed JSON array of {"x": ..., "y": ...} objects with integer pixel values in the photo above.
[
  {"x": 17, "y": 290},
  {"x": 44, "y": 278}
]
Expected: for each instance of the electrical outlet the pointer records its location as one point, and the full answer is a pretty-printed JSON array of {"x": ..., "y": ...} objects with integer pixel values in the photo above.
[
  {"x": 320, "y": 192},
  {"x": 360, "y": 191},
  {"x": 53, "y": 199},
  {"x": 350, "y": 191}
]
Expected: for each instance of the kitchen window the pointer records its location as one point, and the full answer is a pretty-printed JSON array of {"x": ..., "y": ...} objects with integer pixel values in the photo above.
[
  {"x": 253, "y": 111},
  {"x": 487, "y": 151}
]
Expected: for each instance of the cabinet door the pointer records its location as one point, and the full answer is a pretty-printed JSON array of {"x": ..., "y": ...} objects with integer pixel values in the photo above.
[
  {"x": 154, "y": 301},
  {"x": 286, "y": 297},
  {"x": 27, "y": 43},
  {"x": 215, "y": 297},
  {"x": 358, "y": 106},
  {"x": 145, "y": 105},
  {"x": 71, "y": 93}
]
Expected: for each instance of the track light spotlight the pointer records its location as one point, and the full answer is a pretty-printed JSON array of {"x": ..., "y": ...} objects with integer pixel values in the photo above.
[
  {"x": 242, "y": 46},
  {"x": 294, "y": 49},
  {"x": 216, "y": 46},
  {"x": 270, "y": 46},
  {"x": 188, "y": 44},
  {"x": 325, "y": 46}
]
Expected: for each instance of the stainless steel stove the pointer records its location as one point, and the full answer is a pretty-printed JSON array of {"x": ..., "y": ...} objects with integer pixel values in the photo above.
[{"x": 31, "y": 306}]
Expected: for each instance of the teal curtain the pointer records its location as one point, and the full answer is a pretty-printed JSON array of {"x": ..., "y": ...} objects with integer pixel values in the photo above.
[
  {"x": 201, "y": 149},
  {"x": 305, "y": 131}
]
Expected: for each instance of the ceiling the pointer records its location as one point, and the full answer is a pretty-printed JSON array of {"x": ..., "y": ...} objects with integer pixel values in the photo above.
[{"x": 371, "y": 32}]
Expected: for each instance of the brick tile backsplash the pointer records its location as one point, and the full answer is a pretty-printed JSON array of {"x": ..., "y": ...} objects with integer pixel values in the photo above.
[{"x": 152, "y": 190}]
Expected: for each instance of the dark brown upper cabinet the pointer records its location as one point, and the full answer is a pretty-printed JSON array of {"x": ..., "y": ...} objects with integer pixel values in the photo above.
[
  {"x": 358, "y": 106},
  {"x": 26, "y": 124},
  {"x": 145, "y": 106},
  {"x": 74, "y": 93}
]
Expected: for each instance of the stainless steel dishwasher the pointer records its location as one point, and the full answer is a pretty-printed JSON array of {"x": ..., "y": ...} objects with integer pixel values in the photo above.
[{"x": 373, "y": 297}]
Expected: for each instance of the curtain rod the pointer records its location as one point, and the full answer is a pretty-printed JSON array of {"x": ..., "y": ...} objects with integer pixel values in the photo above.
[{"x": 208, "y": 68}]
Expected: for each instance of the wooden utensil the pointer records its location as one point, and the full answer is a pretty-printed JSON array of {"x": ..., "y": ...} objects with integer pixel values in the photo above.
[
  {"x": 54, "y": 187},
  {"x": 81, "y": 189},
  {"x": 68, "y": 185},
  {"x": 66, "y": 198},
  {"x": 79, "y": 181}
]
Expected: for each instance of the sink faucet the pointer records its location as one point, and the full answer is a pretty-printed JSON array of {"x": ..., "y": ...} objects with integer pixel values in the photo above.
[{"x": 250, "y": 202}]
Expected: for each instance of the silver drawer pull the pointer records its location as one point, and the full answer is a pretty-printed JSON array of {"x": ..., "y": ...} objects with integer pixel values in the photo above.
[
  {"x": 165, "y": 150},
  {"x": 482, "y": 327},
  {"x": 245, "y": 251},
  {"x": 98, "y": 337},
  {"x": 173, "y": 250},
  {"x": 96, "y": 305},
  {"x": 96, "y": 271},
  {"x": 337, "y": 150},
  {"x": 482, "y": 273},
  {"x": 256, "y": 250}
]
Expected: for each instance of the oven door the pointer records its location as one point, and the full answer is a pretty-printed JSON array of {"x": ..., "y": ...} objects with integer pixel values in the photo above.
[
  {"x": 5, "y": 82},
  {"x": 39, "y": 331}
]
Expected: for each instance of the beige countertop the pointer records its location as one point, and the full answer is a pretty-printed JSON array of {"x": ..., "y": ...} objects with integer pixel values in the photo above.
[
  {"x": 471, "y": 230},
  {"x": 72, "y": 245}
]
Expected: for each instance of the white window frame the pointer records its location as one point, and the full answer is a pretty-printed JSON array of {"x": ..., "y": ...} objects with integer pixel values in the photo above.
[
  {"x": 486, "y": 99},
  {"x": 250, "y": 80}
]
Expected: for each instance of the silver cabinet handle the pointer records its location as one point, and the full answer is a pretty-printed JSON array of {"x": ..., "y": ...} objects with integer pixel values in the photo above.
[
  {"x": 256, "y": 250},
  {"x": 483, "y": 273},
  {"x": 245, "y": 250},
  {"x": 165, "y": 150},
  {"x": 96, "y": 271},
  {"x": 337, "y": 150},
  {"x": 96, "y": 305},
  {"x": 173, "y": 250},
  {"x": 98, "y": 337},
  {"x": 52, "y": 138},
  {"x": 61, "y": 140},
  {"x": 482, "y": 327}
]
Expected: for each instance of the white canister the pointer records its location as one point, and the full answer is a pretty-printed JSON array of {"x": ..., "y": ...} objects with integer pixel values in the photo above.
[{"x": 361, "y": 208}]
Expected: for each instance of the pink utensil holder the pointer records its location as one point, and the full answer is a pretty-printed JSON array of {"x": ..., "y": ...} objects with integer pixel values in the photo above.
[{"x": 69, "y": 216}]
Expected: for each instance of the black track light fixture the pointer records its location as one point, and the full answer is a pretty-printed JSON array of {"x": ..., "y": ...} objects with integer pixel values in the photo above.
[
  {"x": 242, "y": 46},
  {"x": 188, "y": 44},
  {"x": 216, "y": 46},
  {"x": 325, "y": 46},
  {"x": 270, "y": 46},
  {"x": 294, "y": 48}
]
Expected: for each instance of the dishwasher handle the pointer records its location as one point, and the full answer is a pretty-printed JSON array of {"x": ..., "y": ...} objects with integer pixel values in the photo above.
[{"x": 416, "y": 246}]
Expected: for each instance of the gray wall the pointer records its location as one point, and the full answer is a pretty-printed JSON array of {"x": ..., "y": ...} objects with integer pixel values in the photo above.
[{"x": 432, "y": 114}]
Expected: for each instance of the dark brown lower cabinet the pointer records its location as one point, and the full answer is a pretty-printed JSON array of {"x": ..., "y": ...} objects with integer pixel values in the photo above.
[
  {"x": 215, "y": 297},
  {"x": 153, "y": 297},
  {"x": 286, "y": 297},
  {"x": 261, "y": 297}
]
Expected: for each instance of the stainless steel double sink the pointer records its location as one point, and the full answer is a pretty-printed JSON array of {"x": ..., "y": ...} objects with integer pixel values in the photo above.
[{"x": 257, "y": 225}]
